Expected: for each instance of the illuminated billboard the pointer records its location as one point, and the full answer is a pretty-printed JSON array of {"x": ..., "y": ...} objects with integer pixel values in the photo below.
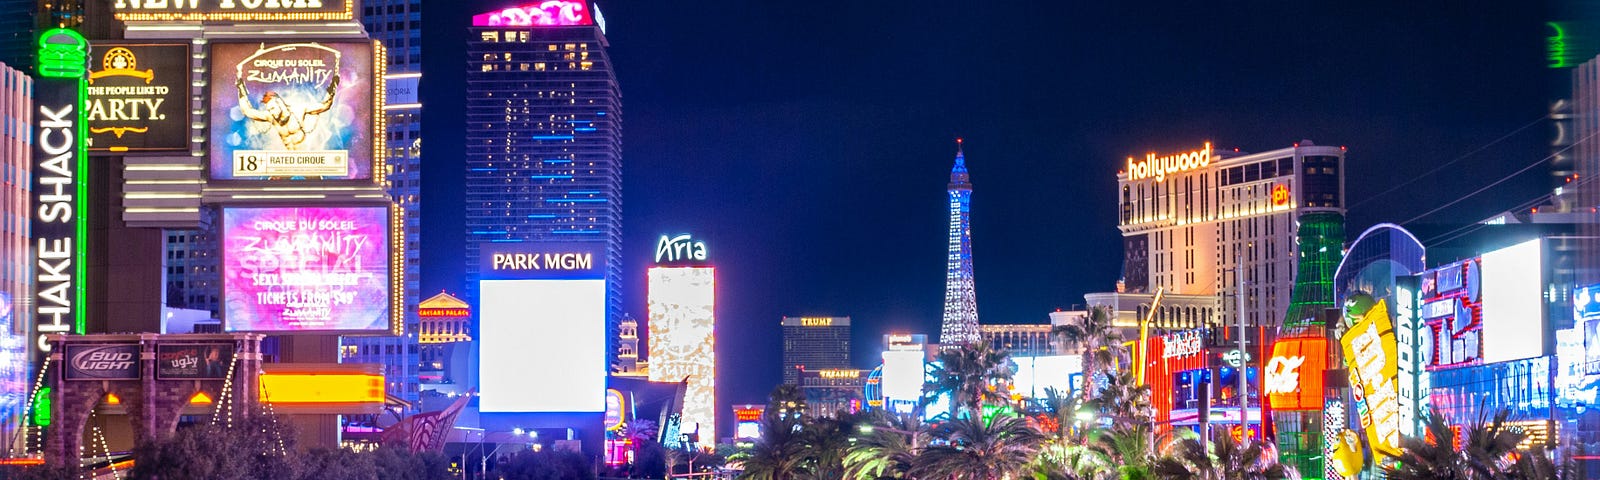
[
  {"x": 1294, "y": 374},
  {"x": 325, "y": 388},
  {"x": 292, "y": 111},
  {"x": 1586, "y": 314},
  {"x": 1036, "y": 375},
  {"x": 13, "y": 361},
  {"x": 546, "y": 13},
  {"x": 542, "y": 327},
  {"x": 682, "y": 327},
  {"x": 1513, "y": 302},
  {"x": 904, "y": 372},
  {"x": 233, "y": 10},
  {"x": 307, "y": 269},
  {"x": 1370, "y": 356},
  {"x": 1451, "y": 305},
  {"x": 138, "y": 98}
]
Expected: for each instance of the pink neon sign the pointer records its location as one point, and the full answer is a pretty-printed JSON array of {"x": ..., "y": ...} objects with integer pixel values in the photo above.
[{"x": 550, "y": 13}]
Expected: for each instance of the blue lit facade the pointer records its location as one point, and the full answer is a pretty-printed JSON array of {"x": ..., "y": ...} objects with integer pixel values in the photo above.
[
  {"x": 544, "y": 145},
  {"x": 398, "y": 24},
  {"x": 960, "y": 324}
]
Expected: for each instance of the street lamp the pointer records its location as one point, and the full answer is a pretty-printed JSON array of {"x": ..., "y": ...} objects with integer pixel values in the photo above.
[{"x": 483, "y": 462}]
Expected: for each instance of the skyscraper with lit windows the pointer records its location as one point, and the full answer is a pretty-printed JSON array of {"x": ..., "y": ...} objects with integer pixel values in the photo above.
[
  {"x": 544, "y": 136},
  {"x": 398, "y": 24},
  {"x": 960, "y": 296}
]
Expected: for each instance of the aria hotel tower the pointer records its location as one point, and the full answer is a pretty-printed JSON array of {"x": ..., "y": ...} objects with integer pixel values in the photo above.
[{"x": 544, "y": 135}]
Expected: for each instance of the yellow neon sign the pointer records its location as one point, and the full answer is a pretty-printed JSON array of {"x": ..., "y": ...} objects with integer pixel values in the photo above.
[
  {"x": 816, "y": 321},
  {"x": 321, "y": 388}
]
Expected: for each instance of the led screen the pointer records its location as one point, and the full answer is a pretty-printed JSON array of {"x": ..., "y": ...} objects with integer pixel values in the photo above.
[
  {"x": 682, "y": 338},
  {"x": 13, "y": 362},
  {"x": 1036, "y": 374},
  {"x": 903, "y": 374},
  {"x": 542, "y": 346},
  {"x": 747, "y": 430},
  {"x": 1294, "y": 374},
  {"x": 291, "y": 111},
  {"x": 1513, "y": 313},
  {"x": 292, "y": 269}
]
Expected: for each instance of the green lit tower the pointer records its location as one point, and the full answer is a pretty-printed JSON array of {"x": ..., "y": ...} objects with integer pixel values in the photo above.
[{"x": 1320, "y": 239}]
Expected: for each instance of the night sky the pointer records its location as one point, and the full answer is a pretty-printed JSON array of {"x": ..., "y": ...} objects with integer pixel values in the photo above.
[{"x": 809, "y": 143}]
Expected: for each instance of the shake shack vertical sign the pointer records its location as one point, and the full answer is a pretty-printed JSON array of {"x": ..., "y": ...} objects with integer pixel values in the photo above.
[
  {"x": 137, "y": 98},
  {"x": 103, "y": 362},
  {"x": 58, "y": 151}
]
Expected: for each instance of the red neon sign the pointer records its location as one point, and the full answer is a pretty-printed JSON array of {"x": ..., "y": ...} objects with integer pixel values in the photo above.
[
  {"x": 1293, "y": 379},
  {"x": 747, "y": 414},
  {"x": 550, "y": 13},
  {"x": 443, "y": 312}
]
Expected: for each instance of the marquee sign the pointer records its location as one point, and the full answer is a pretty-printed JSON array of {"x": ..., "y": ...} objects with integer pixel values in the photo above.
[
  {"x": 548, "y": 13},
  {"x": 1159, "y": 167},
  {"x": 233, "y": 10},
  {"x": 59, "y": 165}
]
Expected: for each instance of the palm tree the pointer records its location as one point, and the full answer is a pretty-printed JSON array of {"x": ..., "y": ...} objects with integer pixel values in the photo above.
[
  {"x": 886, "y": 448},
  {"x": 971, "y": 449},
  {"x": 1124, "y": 400},
  {"x": 778, "y": 454},
  {"x": 1061, "y": 411},
  {"x": 825, "y": 441},
  {"x": 1535, "y": 463},
  {"x": 1487, "y": 451},
  {"x": 969, "y": 374},
  {"x": 1228, "y": 459},
  {"x": 1131, "y": 448},
  {"x": 1059, "y": 461},
  {"x": 1100, "y": 340}
]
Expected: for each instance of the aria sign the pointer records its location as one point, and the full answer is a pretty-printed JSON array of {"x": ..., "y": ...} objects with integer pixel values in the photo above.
[
  {"x": 1159, "y": 167},
  {"x": 680, "y": 249}
]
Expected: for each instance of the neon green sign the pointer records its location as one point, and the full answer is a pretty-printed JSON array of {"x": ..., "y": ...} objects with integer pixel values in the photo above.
[
  {"x": 63, "y": 53},
  {"x": 41, "y": 407}
]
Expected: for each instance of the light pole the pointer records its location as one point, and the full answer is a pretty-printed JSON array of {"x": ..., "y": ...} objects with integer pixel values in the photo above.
[{"x": 483, "y": 462}]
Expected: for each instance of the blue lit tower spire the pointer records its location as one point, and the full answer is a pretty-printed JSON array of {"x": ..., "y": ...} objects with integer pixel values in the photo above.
[{"x": 960, "y": 297}]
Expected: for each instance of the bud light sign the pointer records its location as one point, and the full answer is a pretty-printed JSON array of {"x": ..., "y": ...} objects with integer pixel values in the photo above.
[{"x": 102, "y": 362}]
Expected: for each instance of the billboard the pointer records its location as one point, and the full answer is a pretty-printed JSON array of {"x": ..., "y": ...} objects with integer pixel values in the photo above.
[
  {"x": 292, "y": 111},
  {"x": 306, "y": 269},
  {"x": 904, "y": 372},
  {"x": 1451, "y": 307},
  {"x": 138, "y": 98},
  {"x": 542, "y": 345},
  {"x": 1370, "y": 356},
  {"x": 682, "y": 324},
  {"x": 13, "y": 361},
  {"x": 1035, "y": 375},
  {"x": 102, "y": 362},
  {"x": 206, "y": 361},
  {"x": 59, "y": 158},
  {"x": 1513, "y": 302},
  {"x": 1294, "y": 374},
  {"x": 322, "y": 388},
  {"x": 1586, "y": 316}
]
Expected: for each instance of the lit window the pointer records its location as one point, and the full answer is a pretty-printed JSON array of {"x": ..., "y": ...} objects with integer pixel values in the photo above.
[{"x": 491, "y": 36}]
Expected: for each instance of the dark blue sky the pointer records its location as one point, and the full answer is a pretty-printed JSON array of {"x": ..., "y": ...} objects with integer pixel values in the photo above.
[{"x": 809, "y": 143}]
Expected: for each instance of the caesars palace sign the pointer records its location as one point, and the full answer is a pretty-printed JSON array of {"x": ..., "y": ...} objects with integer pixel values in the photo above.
[{"x": 1158, "y": 167}]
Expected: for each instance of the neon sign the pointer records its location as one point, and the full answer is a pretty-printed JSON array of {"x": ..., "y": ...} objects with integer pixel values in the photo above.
[
  {"x": 551, "y": 13},
  {"x": 59, "y": 164},
  {"x": 1280, "y": 195},
  {"x": 1283, "y": 375},
  {"x": 816, "y": 321},
  {"x": 1182, "y": 344},
  {"x": 680, "y": 249},
  {"x": 837, "y": 374},
  {"x": 1159, "y": 167}
]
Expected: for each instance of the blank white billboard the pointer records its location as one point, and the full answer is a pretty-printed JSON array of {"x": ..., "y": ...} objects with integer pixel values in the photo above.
[
  {"x": 903, "y": 374},
  {"x": 1035, "y": 374},
  {"x": 1513, "y": 303},
  {"x": 542, "y": 346}
]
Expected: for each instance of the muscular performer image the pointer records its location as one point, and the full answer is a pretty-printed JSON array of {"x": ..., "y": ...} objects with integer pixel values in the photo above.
[{"x": 291, "y": 122}]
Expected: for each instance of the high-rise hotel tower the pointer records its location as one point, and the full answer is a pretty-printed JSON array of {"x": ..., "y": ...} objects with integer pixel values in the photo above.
[
  {"x": 544, "y": 136},
  {"x": 960, "y": 324},
  {"x": 1204, "y": 225}
]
